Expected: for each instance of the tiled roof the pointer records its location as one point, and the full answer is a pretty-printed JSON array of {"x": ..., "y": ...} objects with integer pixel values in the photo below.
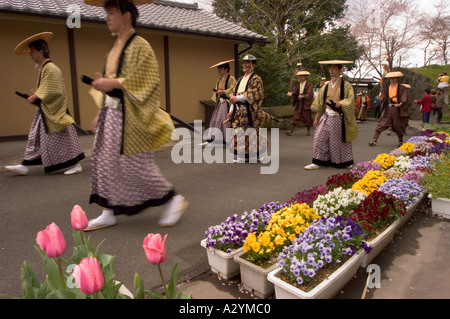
[{"x": 160, "y": 15}]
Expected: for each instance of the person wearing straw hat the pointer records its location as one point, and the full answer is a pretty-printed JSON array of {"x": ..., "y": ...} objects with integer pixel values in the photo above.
[
  {"x": 224, "y": 87},
  {"x": 335, "y": 121},
  {"x": 302, "y": 98},
  {"x": 246, "y": 112},
  {"x": 394, "y": 108},
  {"x": 124, "y": 176},
  {"x": 53, "y": 140},
  {"x": 362, "y": 106}
]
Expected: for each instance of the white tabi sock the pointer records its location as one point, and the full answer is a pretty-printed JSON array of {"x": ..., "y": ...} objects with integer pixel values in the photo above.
[{"x": 106, "y": 218}]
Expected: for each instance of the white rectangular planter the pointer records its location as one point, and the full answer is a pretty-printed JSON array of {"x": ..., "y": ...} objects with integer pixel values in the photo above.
[
  {"x": 326, "y": 289},
  {"x": 254, "y": 277},
  {"x": 441, "y": 207},
  {"x": 379, "y": 243},
  {"x": 222, "y": 263}
]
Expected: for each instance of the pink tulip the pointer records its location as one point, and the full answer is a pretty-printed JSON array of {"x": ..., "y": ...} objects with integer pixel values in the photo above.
[
  {"x": 78, "y": 218},
  {"x": 51, "y": 241},
  {"x": 154, "y": 248},
  {"x": 88, "y": 275}
]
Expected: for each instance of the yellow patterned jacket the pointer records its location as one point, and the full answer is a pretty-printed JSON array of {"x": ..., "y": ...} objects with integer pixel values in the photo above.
[
  {"x": 140, "y": 77},
  {"x": 348, "y": 107},
  {"x": 52, "y": 92}
]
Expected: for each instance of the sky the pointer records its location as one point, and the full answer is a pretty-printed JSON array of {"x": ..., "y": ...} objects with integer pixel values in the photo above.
[{"x": 416, "y": 56}]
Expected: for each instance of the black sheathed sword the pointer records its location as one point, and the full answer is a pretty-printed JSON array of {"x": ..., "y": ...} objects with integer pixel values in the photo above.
[
  {"x": 118, "y": 94},
  {"x": 38, "y": 104}
]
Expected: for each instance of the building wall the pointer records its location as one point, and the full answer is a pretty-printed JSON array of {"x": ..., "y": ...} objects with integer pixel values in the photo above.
[
  {"x": 190, "y": 56},
  {"x": 19, "y": 73}
]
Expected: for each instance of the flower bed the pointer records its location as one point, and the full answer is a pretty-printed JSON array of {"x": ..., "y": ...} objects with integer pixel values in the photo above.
[
  {"x": 283, "y": 228},
  {"x": 357, "y": 209},
  {"x": 326, "y": 243}
]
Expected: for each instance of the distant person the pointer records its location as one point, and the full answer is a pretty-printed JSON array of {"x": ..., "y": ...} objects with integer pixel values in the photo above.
[
  {"x": 53, "y": 140},
  {"x": 394, "y": 108},
  {"x": 426, "y": 106},
  {"x": 444, "y": 80},
  {"x": 302, "y": 98},
  {"x": 362, "y": 106},
  {"x": 439, "y": 104},
  {"x": 377, "y": 107}
]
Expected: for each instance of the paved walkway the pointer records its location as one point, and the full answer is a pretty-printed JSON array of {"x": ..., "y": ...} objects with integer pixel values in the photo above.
[{"x": 414, "y": 265}]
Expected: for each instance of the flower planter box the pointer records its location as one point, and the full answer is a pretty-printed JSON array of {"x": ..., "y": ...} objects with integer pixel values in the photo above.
[
  {"x": 222, "y": 263},
  {"x": 326, "y": 289},
  {"x": 441, "y": 207},
  {"x": 254, "y": 277},
  {"x": 379, "y": 243},
  {"x": 410, "y": 211}
]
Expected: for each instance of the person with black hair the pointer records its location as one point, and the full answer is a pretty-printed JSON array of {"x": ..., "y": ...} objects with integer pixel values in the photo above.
[
  {"x": 335, "y": 121},
  {"x": 125, "y": 178},
  {"x": 53, "y": 140},
  {"x": 246, "y": 113},
  {"x": 426, "y": 106},
  {"x": 222, "y": 91}
]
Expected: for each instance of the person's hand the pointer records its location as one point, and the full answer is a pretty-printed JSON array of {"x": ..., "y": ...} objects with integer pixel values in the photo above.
[
  {"x": 233, "y": 99},
  {"x": 104, "y": 85},
  {"x": 229, "y": 116},
  {"x": 337, "y": 104},
  {"x": 32, "y": 98}
]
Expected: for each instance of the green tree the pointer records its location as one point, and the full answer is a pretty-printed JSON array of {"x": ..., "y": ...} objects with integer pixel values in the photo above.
[{"x": 299, "y": 31}]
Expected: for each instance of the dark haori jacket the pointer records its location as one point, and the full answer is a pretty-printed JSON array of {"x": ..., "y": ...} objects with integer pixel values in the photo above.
[{"x": 401, "y": 96}]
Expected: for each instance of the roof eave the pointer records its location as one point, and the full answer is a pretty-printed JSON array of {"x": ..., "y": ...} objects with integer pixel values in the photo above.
[{"x": 254, "y": 40}]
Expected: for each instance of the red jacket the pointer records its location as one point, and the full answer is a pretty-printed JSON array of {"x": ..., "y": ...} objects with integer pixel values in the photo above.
[{"x": 427, "y": 103}]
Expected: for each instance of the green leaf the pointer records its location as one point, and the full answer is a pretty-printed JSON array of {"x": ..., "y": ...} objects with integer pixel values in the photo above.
[
  {"x": 53, "y": 278},
  {"x": 172, "y": 288},
  {"x": 139, "y": 286},
  {"x": 28, "y": 272},
  {"x": 62, "y": 294},
  {"x": 153, "y": 294},
  {"x": 80, "y": 252}
]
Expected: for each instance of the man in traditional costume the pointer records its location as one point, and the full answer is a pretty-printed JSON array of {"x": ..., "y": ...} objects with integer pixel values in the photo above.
[
  {"x": 125, "y": 177},
  {"x": 223, "y": 89},
  {"x": 335, "y": 121},
  {"x": 302, "y": 98},
  {"x": 246, "y": 112},
  {"x": 394, "y": 108},
  {"x": 362, "y": 106},
  {"x": 53, "y": 140}
]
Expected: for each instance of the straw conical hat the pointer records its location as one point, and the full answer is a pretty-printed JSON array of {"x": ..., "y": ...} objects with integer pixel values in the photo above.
[
  {"x": 101, "y": 3},
  {"x": 303, "y": 73},
  {"x": 220, "y": 63},
  {"x": 395, "y": 74},
  {"x": 336, "y": 62},
  {"x": 22, "y": 47}
]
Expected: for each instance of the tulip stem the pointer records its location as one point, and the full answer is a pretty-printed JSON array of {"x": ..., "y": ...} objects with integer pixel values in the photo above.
[
  {"x": 162, "y": 278},
  {"x": 82, "y": 237},
  {"x": 61, "y": 275}
]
